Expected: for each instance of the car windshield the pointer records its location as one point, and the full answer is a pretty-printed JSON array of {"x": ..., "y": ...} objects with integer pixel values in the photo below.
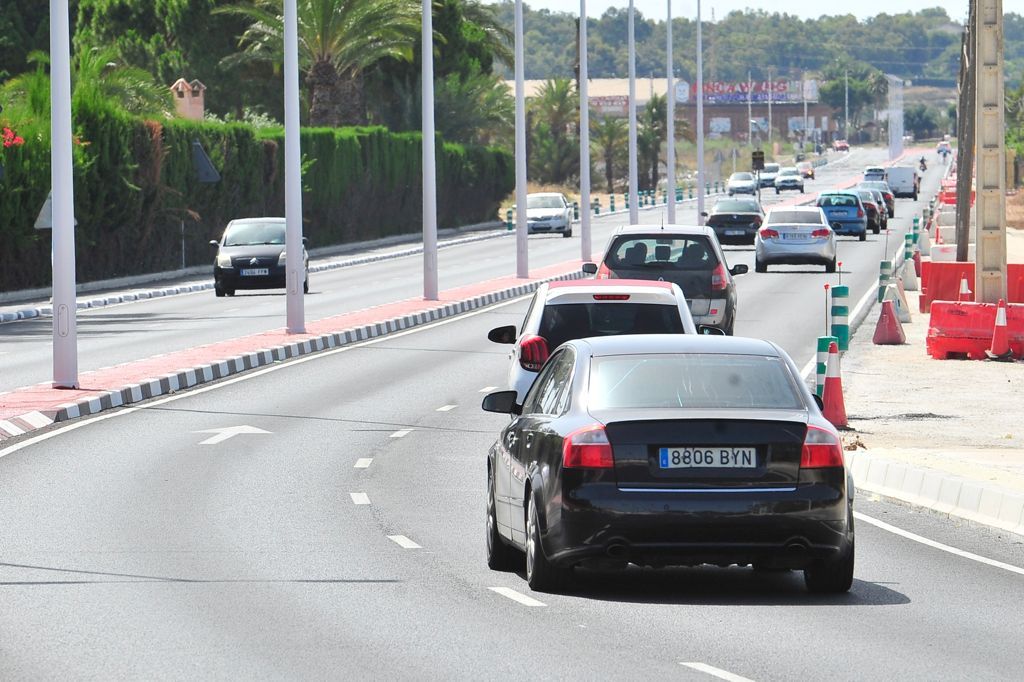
[
  {"x": 790, "y": 217},
  {"x": 789, "y": 171},
  {"x": 741, "y": 176},
  {"x": 837, "y": 200},
  {"x": 544, "y": 202},
  {"x": 696, "y": 380},
  {"x": 642, "y": 252},
  {"x": 771, "y": 168},
  {"x": 736, "y": 206},
  {"x": 566, "y": 321},
  {"x": 249, "y": 234}
]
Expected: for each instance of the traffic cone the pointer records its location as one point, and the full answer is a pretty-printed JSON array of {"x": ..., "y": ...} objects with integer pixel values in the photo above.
[
  {"x": 1000, "y": 349},
  {"x": 910, "y": 275},
  {"x": 888, "y": 330},
  {"x": 895, "y": 294},
  {"x": 834, "y": 408},
  {"x": 965, "y": 291}
]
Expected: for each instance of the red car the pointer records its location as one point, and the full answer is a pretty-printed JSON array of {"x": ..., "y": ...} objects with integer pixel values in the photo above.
[{"x": 841, "y": 146}]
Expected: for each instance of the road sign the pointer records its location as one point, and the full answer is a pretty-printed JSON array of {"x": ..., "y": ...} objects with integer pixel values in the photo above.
[
  {"x": 757, "y": 160},
  {"x": 44, "y": 221}
]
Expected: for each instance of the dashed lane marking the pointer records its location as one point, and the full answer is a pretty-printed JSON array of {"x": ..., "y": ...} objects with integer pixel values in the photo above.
[
  {"x": 403, "y": 542},
  {"x": 517, "y": 596},
  {"x": 488, "y": 389},
  {"x": 359, "y": 498},
  {"x": 401, "y": 434},
  {"x": 363, "y": 462},
  {"x": 715, "y": 672},
  {"x": 938, "y": 545},
  {"x": 446, "y": 408}
]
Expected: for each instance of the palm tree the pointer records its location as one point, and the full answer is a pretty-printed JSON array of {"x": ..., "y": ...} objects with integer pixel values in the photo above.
[
  {"x": 653, "y": 130},
  {"x": 338, "y": 40},
  {"x": 609, "y": 137}
]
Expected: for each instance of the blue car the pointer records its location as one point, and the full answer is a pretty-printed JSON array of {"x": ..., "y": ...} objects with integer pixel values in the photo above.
[{"x": 845, "y": 213}]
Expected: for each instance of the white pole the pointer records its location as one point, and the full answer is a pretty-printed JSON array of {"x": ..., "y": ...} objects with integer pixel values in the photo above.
[
  {"x": 522, "y": 261},
  {"x": 429, "y": 158},
  {"x": 750, "y": 112},
  {"x": 803, "y": 93},
  {"x": 700, "y": 119},
  {"x": 670, "y": 123},
  {"x": 634, "y": 210},
  {"x": 846, "y": 105},
  {"x": 586, "y": 248},
  {"x": 295, "y": 274},
  {"x": 65, "y": 332},
  {"x": 771, "y": 96}
]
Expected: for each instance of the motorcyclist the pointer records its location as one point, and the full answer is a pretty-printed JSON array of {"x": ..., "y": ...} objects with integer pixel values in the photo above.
[{"x": 924, "y": 166}]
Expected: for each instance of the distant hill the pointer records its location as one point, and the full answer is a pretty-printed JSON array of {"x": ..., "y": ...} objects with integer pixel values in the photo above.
[{"x": 922, "y": 46}]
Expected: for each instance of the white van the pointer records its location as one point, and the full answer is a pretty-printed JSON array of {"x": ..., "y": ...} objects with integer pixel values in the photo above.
[{"x": 904, "y": 181}]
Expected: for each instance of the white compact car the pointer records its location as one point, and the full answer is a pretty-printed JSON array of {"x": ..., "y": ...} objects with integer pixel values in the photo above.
[
  {"x": 548, "y": 212},
  {"x": 561, "y": 311}
]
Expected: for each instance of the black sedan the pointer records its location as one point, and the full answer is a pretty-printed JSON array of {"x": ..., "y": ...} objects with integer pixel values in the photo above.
[
  {"x": 735, "y": 221},
  {"x": 251, "y": 255},
  {"x": 664, "y": 450}
]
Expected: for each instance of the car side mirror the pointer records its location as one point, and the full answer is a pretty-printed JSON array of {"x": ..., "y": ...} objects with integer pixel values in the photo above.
[
  {"x": 708, "y": 330},
  {"x": 502, "y": 402},
  {"x": 818, "y": 401},
  {"x": 214, "y": 242},
  {"x": 505, "y": 334},
  {"x": 740, "y": 269},
  {"x": 590, "y": 268},
  {"x": 703, "y": 214},
  {"x": 305, "y": 240}
]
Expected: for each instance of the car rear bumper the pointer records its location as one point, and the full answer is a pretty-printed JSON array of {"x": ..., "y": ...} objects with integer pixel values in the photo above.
[
  {"x": 540, "y": 229},
  {"x": 790, "y": 185},
  {"x": 735, "y": 234},
  {"x": 820, "y": 253},
  {"x": 851, "y": 227},
  {"x": 231, "y": 278},
  {"x": 787, "y": 528}
]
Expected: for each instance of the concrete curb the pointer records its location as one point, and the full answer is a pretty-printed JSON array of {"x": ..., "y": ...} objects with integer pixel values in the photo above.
[
  {"x": 193, "y": 376},
  {"x": 944, "y": 493}
]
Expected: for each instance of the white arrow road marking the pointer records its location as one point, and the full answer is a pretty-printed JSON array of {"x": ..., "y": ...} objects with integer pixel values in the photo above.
[
  {"x": 363, "y": 462},
  {"x": 517, "y": 596},
  {"x": 403, "y": 542},
  {"x": 359, "y": 498},
  {"x": 446, "y": 408},
  {"x": 222, "y": 434},
  {"x": 488, "y": 389},
  {"x": 401, "y": 434},
  {"x": 716, "y": 672}
]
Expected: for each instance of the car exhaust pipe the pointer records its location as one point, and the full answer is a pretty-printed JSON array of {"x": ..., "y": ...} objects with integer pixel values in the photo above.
[{"x": 617, "y": 550}]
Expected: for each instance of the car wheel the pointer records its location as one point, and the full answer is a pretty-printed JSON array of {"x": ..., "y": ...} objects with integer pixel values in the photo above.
[
  {"x": 229, "y": 292},
  {"x": 567, "y": 233},
  {"x": 801, "y": 189},
  {"x": 218, "y": 290},
  {"x": 831, "y": 267},
  {"x": 833, "y": 576},
  {"x": 760, "y": 266},
  {"x": 876, "y": 229},
  {"x": 862, "y": 236},
  {"x": 730, "y": 328},
  {"x": 305, "y": 285},
  {"x": 500, "y": 557},
  {"x": 541, "y": 575},
  {"x": 915, "y": 196},
  {"x": 777, "y": 190}
]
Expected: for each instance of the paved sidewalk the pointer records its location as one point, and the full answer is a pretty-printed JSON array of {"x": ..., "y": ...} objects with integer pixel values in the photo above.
[{"x": 943, "y": 434}]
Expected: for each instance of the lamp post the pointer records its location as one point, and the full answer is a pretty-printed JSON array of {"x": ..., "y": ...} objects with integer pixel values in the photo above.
[
  {"x": 522, "y": 262},
  {"x": 429, "y": 158},
  {"x": 700, "y": 119},
  {"x": 634, "y": 211},
  {"x": 670, "y": 123},
  {"x": 295, "y": 273},
  {"x": 585, "y": 245}
]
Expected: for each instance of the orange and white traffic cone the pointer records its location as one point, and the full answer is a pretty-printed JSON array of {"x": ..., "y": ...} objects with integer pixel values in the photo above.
[
  {"x": 889, "y": 331},
  {"x": 965, "y": 291},
  {"x": 1000, "y": 349},
  {"x": 834, "y": 408}
]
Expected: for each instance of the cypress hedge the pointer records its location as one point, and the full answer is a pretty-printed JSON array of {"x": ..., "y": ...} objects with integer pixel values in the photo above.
[{"x": 135, "y": 186}]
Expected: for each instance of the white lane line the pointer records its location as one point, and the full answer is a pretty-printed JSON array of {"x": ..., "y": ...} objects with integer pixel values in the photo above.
[
  {"x": 488, "y": 389},
  {"x": 363, "y": 462},
  {"x": 403, "y": 542},
  {"x": 401, "y": 434},
  {"x": 715, "y": 672},
  {"x": 937, "y": 545},
  {"x": 359, "y": 498},
  {"x": 516, "y": 596},
  {"x": 446, "y": 408}
]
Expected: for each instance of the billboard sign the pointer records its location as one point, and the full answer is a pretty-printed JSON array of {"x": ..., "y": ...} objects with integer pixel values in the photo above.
[{"x": 723, "y": 92}]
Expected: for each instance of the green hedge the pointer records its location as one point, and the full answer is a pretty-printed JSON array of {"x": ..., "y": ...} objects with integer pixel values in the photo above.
[{"x": 134, "y": 185}]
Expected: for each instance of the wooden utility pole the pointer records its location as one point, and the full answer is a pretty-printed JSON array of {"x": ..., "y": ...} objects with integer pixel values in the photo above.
[
  {"x": 965, "y": 137},
  {"x": 990, "y": 144}
]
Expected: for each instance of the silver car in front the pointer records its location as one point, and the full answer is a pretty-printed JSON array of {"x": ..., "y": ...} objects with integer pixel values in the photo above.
[{"x": 795, "y": 235}]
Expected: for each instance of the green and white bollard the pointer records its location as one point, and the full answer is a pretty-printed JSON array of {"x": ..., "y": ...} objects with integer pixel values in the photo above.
[
  {"x": 691, "y": 191},
  {"x": 625, "y": 200},
  {"x": 908, "y": 247},
  {"x": 575, "y": 210},
  {"x": 841, "y": 316},
  {"x": 597, "y": 206},
  {"x": 917, "y": 229},
  {"x": 611, "y": 203},
  {"x": 822, "y": 363},
  {"x": 707, "y": 188},
  {"x": 508, "y": 220},
  {"x": 679, "y": 194},
  {"x": 884, "y": 276}
]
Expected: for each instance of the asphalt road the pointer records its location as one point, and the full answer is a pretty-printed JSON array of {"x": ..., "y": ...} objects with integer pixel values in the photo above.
[
  {"x": 769, "y": 302},
  {"x": 348, "y": 542}
]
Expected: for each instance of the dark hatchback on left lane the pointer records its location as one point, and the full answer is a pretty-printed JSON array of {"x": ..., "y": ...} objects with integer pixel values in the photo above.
[
  {"x": 735, "y": 221},
  {"x": 662, "y": 450},
  {"x": 251, "y": 255}
]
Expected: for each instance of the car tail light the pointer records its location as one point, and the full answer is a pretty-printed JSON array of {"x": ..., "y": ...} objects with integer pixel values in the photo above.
[
  {"x": 823, "y": 232},
  {"x": 719, "y": 278},
  {"x": 769, "y": 233},
  {"x": 860, "y": 212},
  {"x": 533, "y": 352},
  {"x": 821, "y": 449},
  {"x": 587, "y": 448},
  {"x": 611, "y": 297},
  {"x": 603, "y": 272}
]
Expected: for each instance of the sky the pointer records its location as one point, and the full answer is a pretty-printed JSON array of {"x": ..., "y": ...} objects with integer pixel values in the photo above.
[{"x": 806, "y": 9}]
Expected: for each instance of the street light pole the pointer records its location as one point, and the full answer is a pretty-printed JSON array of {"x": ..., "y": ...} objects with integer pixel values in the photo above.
[
  {"x": 522, "y": 262},
  {"x": 771, "y": 96},
  {"x": 65, "y": 331},
  {"x": 295, "y": 273},
  {"x": 750, "y": 112},
  {"x": 585, "y": 244},
  {"x": 700, "y": 119},
  {"x": 430, "y": 291},
  {"x": 634, "y": 210},
  {"x": 670, "y": 123},
  {"x": 846, "y": 104}
]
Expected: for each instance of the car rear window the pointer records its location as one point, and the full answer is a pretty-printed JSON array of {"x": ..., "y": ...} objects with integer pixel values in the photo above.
[
  {"x": 736, "y": 206},
  {"x": 650, "y": 252},
  {"x": 696, "y": 380},
  {"x": 801, "y": 217},
  {"x": 837, "y": 200},
  {"x": 249, "y": 234},
  {"x": 566, "y": 321}
]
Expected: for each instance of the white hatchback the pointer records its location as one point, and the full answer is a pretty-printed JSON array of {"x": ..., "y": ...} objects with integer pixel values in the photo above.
[{"x": 561, "y": 311}]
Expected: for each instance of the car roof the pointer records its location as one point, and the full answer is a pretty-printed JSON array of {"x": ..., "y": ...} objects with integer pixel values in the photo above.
[
  {"x": 801, "y": 209},
  {"x": 633, "y": 344},
  {"x": 667, "y": 230},
  {"x": 841, "y": 192},
  {"x": 609, "y": 283},
  {"x": 261, "y": 219}
]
